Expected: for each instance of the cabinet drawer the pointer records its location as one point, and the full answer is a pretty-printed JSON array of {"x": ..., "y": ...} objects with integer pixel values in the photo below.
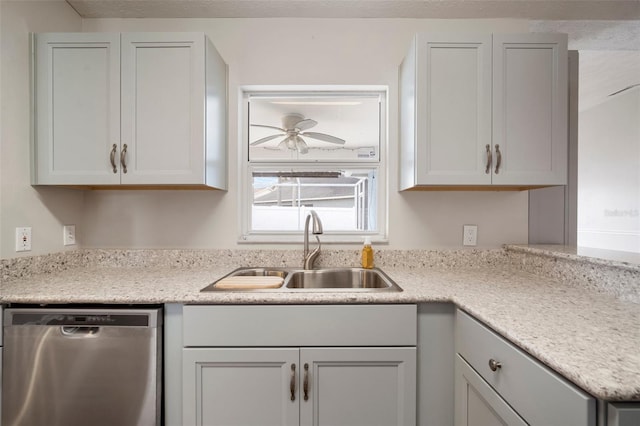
[
  {"x": 538, "y": 394},
  {"x": 300, "y": 325}
]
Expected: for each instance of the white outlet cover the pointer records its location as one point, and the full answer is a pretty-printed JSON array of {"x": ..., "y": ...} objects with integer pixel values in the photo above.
[{"x": 470, "y": 235}]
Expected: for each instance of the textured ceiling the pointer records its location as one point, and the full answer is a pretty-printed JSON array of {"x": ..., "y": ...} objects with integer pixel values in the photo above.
[
  {"x": 603, "y": 73},
  {"x": 609, "y": 55},
  {"x": 523, "y": 9}
]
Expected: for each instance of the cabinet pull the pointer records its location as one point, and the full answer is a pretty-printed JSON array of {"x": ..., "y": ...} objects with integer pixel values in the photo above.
[
  {"x": 112, "y": 157},
  {"x": 489, "y": 160},
  {"x": 305, "y": 384},
  {"x": 292, "y": 384},
  {"x": 498, "y": 159},
  {"x": 123, "y": 159},
  {"x": 494, "y": 365}
]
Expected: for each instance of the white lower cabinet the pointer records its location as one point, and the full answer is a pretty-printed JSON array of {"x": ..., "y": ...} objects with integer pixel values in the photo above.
[
  {"x": 306, "y": 386},
  {"x": 1, "y": 315},
  {"x": 352, "y": 365},
  {"x": 358, "y": 386},
  {"x": 240, "y": 386},
  {"x": 498, "y": 384},
  {"x": 477, "y": 404},
  {"x": 0, "y": 383},
  {"x": 299, "y": 365},
  {"x": 623, "y": 414}
]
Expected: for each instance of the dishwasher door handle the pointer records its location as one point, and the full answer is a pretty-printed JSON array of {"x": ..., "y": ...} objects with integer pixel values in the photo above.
[{"x": 79, "y": 332}]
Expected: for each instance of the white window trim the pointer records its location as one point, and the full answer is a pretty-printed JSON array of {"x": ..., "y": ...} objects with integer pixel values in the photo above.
[{"x": 244, "y": 169}]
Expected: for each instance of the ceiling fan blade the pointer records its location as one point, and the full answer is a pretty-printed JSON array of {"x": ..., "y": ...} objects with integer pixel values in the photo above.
[
  {"x": 263, "y": 140},
  {"x": 305, "y": 124},
  {"x": 301, "y": 146},
  {"x": 268, "y": 127},
  {"x": 324, "y": 137}
]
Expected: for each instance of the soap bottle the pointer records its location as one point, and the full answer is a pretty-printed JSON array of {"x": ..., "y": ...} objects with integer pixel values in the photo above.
[{"x": 367, "y": 254}]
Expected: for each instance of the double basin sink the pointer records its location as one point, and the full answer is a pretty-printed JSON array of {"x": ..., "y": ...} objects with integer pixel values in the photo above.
[{"x": 326, "y": 280}]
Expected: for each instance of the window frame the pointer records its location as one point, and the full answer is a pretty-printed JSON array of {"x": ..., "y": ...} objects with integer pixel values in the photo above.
[{"x": 246, "y": 168}]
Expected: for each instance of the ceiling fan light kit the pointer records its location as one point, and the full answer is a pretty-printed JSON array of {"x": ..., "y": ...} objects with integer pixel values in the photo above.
[{"x": 293, "y": 131}]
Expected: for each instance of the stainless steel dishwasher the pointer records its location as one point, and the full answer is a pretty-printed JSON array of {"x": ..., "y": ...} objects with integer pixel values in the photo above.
[{"x": 68, "y": 367}]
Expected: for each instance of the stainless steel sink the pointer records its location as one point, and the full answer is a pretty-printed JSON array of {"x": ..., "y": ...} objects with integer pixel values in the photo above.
[
  {"x": 317, "y": 280},
  {"x": 347, "y": 279}
]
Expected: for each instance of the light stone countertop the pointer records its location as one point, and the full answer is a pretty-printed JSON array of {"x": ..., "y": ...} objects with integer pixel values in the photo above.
[
  {"x": 601, "y": 257},
  {"x": 590, "y": 337}
]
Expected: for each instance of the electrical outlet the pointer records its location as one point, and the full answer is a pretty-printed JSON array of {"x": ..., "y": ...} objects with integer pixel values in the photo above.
[
  {"x": 469, "y": 235},
  {"x": 69, "y": 235},
  {"x": 23, "y": 239}
]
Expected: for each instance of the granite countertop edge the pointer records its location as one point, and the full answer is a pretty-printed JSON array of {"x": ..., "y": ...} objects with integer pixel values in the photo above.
[{"x": 597, "y": 257}]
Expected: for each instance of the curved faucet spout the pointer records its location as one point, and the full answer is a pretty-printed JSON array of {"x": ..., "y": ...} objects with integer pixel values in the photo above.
[{"x": 310, "y": 257}]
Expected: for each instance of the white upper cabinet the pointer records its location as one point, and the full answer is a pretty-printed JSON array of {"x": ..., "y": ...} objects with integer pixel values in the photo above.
[
  {"x": 478, "y": 111},
  {"x": 530, "y": 109},
  {"x": 129, "y": 109},
  {"x": 451, "y": 77},
  {"x": 77, "y": 108}
]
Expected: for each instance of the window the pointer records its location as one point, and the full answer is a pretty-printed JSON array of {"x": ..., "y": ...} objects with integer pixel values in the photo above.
[{"x": 313, "y": 149}]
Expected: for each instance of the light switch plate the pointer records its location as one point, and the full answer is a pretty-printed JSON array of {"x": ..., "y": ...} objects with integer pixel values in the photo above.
[
  {"x": 469, "y": 235},
  {"x": 23, "y": 239},
  {"x": 69, "y": 235}
]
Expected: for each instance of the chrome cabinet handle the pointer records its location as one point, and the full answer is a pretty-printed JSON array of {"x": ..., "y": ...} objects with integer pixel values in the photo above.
[
  {"x": 112, "y": 157},
  {"x": 489, "y": 159},
  {"x": 499, "y": 159},
  {"x": 305, "y": 385},
  {"x": 292, "y": 384},
  {"x": 123, "y": 159},
  {"x": 494, "y": 365}
]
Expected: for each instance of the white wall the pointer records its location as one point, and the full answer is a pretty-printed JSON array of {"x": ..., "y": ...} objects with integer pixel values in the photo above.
[
  {"x": 265, "y": 51},
  {"x": 44, "y": 210},
  {"x": 302, "y": 51},
  {"x": 609, "y": 174}
]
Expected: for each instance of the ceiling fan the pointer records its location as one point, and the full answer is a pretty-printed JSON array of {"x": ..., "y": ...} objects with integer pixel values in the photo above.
[{"x": 293, "y": 130}]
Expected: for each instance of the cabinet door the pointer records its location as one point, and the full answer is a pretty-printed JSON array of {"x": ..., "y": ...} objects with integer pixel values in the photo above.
[
  {"x": 0, "y": 386},
  {"x": 239, "y": 387},
  {"x": 476, "y": 403},
  {"x": 530, "y": 109},
  {"x": 77, "y": 108},
  {"x": 453, "y": 109},
  {"x": 358, "y": 386},
  {"x": 163, "y": 104},
  {"x": 621, "y": 413}
]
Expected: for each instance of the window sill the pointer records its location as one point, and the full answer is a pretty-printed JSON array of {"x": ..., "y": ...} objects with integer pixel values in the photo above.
[{"x": 298, "y": 239}]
